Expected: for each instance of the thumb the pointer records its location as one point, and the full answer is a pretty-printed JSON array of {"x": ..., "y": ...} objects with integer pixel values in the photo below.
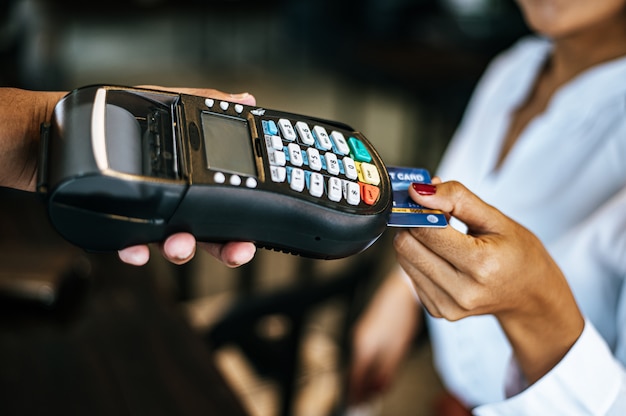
[
  {"x": 455, "y": 199},
  {"x": 243, "y": 98}
]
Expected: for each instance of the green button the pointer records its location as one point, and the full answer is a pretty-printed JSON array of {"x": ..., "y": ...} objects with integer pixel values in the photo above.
[{"x": 358, "y": 150}]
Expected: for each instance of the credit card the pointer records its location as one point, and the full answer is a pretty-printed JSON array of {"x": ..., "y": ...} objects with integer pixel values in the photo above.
[{"x": 405, "y": 212}]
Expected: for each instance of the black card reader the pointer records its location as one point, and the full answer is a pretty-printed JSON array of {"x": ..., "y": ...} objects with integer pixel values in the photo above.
[{"x": 121, "y": 166}]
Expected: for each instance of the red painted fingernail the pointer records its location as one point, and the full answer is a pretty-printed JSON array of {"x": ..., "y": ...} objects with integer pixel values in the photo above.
[{"x": 424, "y": 188}]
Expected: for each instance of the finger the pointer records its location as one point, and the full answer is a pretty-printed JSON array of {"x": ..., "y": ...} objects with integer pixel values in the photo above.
[
  {"x": 436, "y": 180},
  {"x": 455, "y": 199},
  {"x": 434, "y": 278},
  {"x": 232, "y": 254},
  {"x": 482, "y": 220},
  {"x": 477, "y": 269},
  {"x": 179, "y": 248},
  {"x": 434, "y": 299},
  {"x": 242, "y": 98},
  {"x": 135, "y": 255}
]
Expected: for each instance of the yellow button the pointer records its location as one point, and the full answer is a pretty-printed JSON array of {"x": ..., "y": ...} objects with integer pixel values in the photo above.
[{"x": 367, "y": 173}]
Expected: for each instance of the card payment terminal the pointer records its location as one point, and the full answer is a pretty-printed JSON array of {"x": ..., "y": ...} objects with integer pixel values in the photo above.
[{"x": 121, "y": 166}]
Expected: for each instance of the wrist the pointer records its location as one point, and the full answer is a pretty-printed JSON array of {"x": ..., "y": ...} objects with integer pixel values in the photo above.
[
  {"x": 543, "y": 334},
  {"x": 21, "y": 115}
]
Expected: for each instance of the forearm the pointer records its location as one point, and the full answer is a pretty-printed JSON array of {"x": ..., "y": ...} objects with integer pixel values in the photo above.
[
  {"x": 382, "y": 337},
  {"x": 396, "y": 296},
  {"x": 21, "y": 115},
  {"x": 542, "y": 334}
]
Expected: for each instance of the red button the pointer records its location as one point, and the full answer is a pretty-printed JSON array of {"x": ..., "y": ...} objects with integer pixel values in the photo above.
[{"x": 369, "y": 193}]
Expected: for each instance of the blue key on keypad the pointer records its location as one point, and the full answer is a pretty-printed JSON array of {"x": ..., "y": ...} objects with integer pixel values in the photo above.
[{"x": 269, "y": 127}]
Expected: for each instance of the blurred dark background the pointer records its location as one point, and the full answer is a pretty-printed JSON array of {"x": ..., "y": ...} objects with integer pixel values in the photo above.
[
  {"x": 424, "y": 55},
  {"x": 401, "y": 71}
]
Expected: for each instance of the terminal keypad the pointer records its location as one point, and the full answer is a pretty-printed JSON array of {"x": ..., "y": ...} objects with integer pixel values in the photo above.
[{"x": 326, "y": 164}]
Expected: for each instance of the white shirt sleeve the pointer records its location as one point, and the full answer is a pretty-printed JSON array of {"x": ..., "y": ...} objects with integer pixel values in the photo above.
[{"x": 589, "y": 380}]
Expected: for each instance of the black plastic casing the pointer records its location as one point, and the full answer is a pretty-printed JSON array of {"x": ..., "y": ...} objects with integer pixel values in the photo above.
[{"x": 101, "y": 202}]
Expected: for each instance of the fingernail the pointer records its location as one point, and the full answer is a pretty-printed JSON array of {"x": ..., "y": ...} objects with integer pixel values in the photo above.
[
  {"x": 179, "y": 251},
  {"x": 240, "y": 96},
  {"x": 136, "y": 256},
  {"x": 424, "y": 188}
]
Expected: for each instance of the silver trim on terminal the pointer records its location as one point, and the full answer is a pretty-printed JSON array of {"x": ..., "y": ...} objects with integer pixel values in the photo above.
[{"x": 98, "y": 124}]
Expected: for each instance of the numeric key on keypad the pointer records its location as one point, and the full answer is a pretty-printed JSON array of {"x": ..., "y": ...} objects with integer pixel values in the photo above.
[
  {"x": 295, "y": 154},
  {"x": 322, "y": 137},
  {"x": 340, "y": 142},
  {"x": 315, "y": 161},
  {"x": 332, "y": 165},
  {"x": 316, "y": 184},
  {"x": 287, "y": 129},
  {"x": 334, "y": 189},
  {"x": 350, "y": 168},
  {"x": 296, "y": 179},
  {"x": 305, "y": 133}
]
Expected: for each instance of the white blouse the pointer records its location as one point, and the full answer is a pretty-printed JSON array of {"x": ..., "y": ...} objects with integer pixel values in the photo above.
[{"x": 565, "y": 180}]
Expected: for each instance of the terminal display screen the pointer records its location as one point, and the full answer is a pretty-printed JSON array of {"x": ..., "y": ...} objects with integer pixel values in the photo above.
[{"x": 228, "y": 144}]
